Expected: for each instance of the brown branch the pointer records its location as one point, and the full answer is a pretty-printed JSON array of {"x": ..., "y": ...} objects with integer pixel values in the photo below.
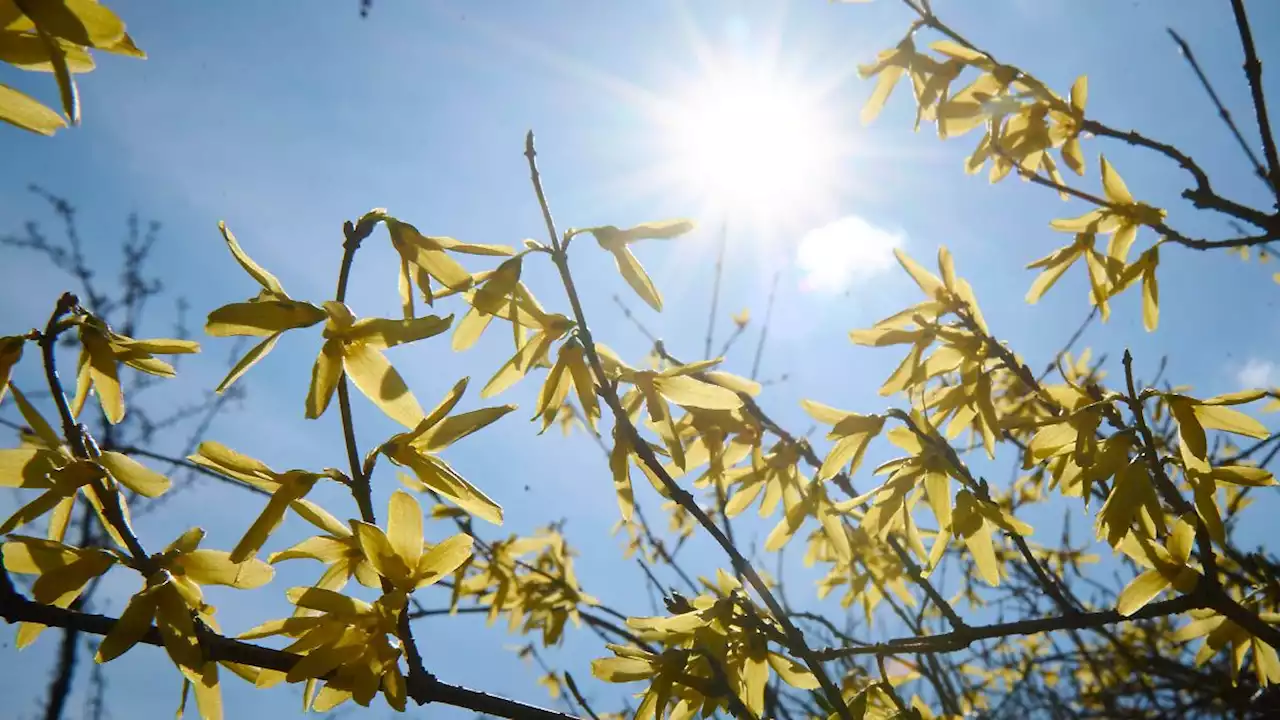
[
  {"x": 646, "y": 455},
  {"x": 577, "y": 695},
  {"x": 1253, "y": 73},
  {"x": 1219, "y": 600},
  {"x": 1161, "y": 227},
  {"x": 14, "y": 607},
  {"x": 360, "y": 486},
  {"x": 1223, "y": 113},
  {"x": 961, "y": 639},
  {"x": 1201, "y": 196},
  {"x": 77, "y": 437},
  {"x": 917, "y": 575}
]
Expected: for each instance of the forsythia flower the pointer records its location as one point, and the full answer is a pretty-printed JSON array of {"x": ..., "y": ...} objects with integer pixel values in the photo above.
[
  {"x": 417, "y": 449},
  {"x": 398, "y": 553},
  {"x": 713, "y": 636},
  {"x": 354, "y": 347},
  {"x": 173, "y": 599},
  {"x": 101, "y": 352},
  {"x": 286, "y": 489},
  {"x": 616, "y": 241},
  {"x": 44, "y": 463},
  {"x": 268, "y": 315}
]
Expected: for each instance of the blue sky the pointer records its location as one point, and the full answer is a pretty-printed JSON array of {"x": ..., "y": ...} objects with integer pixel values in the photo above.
[{"x": 286, "y": 119}]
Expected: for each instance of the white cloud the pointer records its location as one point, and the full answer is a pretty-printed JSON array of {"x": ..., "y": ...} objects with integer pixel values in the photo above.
[
  {"x": 1258, "y": 374},
  {"x": 834, "y": 256}
]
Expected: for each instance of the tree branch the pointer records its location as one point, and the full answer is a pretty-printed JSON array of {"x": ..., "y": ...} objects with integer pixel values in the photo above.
[
  {"x": 1173, "y": 235},
  {"x": 108, "y": 498},
  {"x": 1219, "y": 600},
  {"x": 963, "y": 638},
  {"x": 646, "y": 455},
  {"x": 1202, "y": 195},
  {"x": 361, "y": 488},
  {"x": 1253, "y": 73},
  {"x": 1223, "y": 113},
  {"x": 423, "y": 689}
]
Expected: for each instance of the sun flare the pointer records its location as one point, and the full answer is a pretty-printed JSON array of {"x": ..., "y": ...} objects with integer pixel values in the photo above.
[{"x": 752, "y": 146}]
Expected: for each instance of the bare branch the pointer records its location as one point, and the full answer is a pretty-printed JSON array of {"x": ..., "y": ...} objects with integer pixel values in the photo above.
[
  {"x": 1223, "y": 113},
  {"x": 423, "y": 689},
  {"x": 1253, "y": 72}
]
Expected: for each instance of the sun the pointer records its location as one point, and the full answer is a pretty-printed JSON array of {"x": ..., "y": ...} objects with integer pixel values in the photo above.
[{"x": 753, "y": 145}]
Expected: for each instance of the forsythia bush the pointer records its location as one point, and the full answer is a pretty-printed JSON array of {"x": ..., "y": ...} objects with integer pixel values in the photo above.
[{"x": 1159, "y": 470}]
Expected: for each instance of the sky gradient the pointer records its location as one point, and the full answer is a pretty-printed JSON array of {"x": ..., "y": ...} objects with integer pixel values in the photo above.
[{"x": 286, "y": 119}]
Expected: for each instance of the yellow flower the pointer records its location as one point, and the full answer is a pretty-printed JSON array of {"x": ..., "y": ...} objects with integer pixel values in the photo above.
[
  {"x": 343, "y": 640},
  {"x": 675, "y": 384},
  {"x": 44, "y": 37},
  {"x": 718, "y": 629},
  {"x": 44, "y": 463},
  {"x": 173, "y": 599},
  {"x": 416, "y": 450},
  {"x": 616, "y": 241},
  {"x": 424, "y": 257},
  {"x": 850, "y": 431},
  {"x": 338, "y": 548},
  {"x": 287, "y": 489},
  {"x": 62, "y": 570},
  {"x": 10, "y": 354},
  {"x": 570, "y": 369},
  {"x": 268, "y": 315},
  {"x": 398, "y": 554},
  {"x": 354, "y": 347},
  {"x": 1067, "y": 120},
  {"x": 1219, "y": 633},
  {"x": 102, "y": 351},
  {"x": 1166, "y": 566},
  {"x": 1121, "y": 217}
]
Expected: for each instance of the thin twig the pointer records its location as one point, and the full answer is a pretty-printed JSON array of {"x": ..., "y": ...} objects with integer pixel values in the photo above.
[
  {"x": 1253, "y": 73},
  {"x": 626, "y": 312},
  {"x": 715, "y": 289},
  {"x": 646, "y": 455},
  {"x": 764, "y": 329},
  {"x": 193, "y": 467},
  {"x": 1219, "y": 599},
  {"x": 360, "y": 486},
  {"x": 1223, "y": 113},
  {"x": 918, "y": 576},
  {"x": 1067, "y": 347},
  {"x": 887, "y": 687},
  {"x": 577, "y": 695},
  {"x": 1273, "y": 233}
]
